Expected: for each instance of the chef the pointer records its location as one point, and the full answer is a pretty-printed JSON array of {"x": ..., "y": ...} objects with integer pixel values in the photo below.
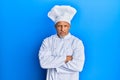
[{"x": 62, "y": 54}]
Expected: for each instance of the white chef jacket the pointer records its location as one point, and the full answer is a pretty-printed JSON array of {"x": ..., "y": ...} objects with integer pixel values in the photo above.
[{"x": 52, "y": 55}]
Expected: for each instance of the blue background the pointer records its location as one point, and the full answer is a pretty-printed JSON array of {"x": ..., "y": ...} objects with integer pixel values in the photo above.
[{"x": 24, "y": 24}]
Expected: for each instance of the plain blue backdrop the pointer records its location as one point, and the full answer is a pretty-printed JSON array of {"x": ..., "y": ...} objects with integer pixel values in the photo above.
[{"x": 24, "y": 24}]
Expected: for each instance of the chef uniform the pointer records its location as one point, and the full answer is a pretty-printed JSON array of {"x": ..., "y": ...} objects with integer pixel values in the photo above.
[{"x": 54, "y": 49}]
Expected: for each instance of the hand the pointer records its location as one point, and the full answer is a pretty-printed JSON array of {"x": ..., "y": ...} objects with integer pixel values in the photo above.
[{"x": 68, "y": 58}]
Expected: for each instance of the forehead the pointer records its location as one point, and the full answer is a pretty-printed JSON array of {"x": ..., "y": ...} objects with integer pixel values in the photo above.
[{"x": 62, "y": 23}]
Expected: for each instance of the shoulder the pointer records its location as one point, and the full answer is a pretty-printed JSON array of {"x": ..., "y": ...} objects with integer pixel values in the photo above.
[
  {"x": 76, "y": 39},
  {"x": 50, "y": 38},
  {"x": 77, "y": 42}
]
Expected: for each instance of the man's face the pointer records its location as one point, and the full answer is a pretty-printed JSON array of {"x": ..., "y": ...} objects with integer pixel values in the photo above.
[{"x": 62, "y": 28}]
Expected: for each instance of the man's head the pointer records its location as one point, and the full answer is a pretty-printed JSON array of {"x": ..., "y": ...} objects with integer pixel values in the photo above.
[
  {"x": 62, "y": 16},
  {"x": 62, "y": 28}
]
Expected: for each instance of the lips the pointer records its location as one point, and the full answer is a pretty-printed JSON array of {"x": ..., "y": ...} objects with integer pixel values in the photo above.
[{"x": 62, "y": 32}]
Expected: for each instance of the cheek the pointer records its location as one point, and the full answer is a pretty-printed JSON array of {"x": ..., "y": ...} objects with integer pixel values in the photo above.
[
  {"x": 58, "y": 29},
  {"x": 67, "y": 29}
]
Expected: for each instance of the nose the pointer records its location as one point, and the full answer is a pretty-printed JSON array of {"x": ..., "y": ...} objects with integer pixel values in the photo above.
[{"x": 62, "y": 28}]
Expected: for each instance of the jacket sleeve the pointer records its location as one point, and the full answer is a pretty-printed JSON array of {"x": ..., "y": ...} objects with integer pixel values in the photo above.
[
  {"x": 47, "y": 60},
  {"x": 76, "y": 65}
]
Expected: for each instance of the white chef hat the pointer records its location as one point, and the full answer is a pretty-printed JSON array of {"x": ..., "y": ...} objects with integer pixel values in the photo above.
[{"x": 62, "y": 13}]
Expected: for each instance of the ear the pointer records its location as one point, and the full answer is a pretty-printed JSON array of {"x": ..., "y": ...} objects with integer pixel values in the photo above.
[{"x": 69, "y": 26}]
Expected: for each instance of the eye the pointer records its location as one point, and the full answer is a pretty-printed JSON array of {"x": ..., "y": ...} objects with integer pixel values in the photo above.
[
  {"x": 65, "y": 26},
  {"x": 58, "y": 25}
]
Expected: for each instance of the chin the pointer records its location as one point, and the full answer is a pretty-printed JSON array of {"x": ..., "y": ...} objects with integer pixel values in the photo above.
[{"x": 62, "y": 35}]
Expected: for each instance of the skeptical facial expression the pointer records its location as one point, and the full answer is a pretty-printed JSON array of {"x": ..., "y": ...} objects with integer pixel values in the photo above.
[{"x": 62, "y": 28}]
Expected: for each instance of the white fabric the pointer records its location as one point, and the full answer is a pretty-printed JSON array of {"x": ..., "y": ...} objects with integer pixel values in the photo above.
[
  {"x": 62, "y": 13},
  {"x": 52, "y": 55}
]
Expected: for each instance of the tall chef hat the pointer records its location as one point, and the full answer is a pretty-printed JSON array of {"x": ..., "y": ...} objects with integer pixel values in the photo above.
[{"x": 62, "y": 13}]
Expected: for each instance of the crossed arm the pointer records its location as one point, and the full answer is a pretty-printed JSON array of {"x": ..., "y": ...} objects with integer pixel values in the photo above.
[{"x": 63, "y": 63}]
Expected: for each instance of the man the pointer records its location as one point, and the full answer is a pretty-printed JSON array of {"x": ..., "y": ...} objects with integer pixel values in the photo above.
[{"x": 62, "y": 54}]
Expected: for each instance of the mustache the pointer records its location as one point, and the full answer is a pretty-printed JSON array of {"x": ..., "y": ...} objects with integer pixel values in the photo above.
[{"x": 62, "y": 31}]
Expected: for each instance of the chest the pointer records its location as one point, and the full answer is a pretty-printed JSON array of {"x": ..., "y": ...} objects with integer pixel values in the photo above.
[{"x": 62, "y": 47}]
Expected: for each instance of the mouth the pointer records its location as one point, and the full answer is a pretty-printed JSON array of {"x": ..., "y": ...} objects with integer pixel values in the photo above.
[{"x": 62, "y": 32}]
